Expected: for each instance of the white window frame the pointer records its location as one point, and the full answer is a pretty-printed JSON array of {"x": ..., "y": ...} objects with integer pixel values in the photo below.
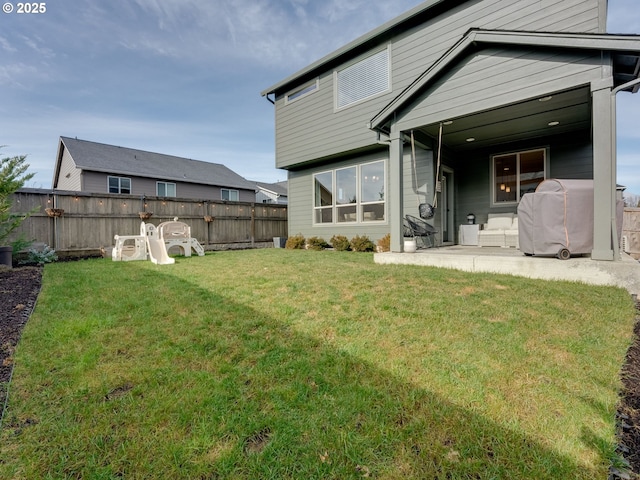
[
  {"x": 166, "y": 184},
  {"x": 109, "y": 177},
  {"x": 352, "y": 65},
  {"x": 518, "y": 153},
  {"x": 302, "y": 91},
  {"x": 360, "y": 205},
  {"x": 229, "y": 191}
]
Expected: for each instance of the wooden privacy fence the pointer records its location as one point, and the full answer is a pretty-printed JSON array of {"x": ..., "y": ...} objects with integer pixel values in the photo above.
[
  {"x": 631, "y": 231},
  {"x": 81, "y": 224}
]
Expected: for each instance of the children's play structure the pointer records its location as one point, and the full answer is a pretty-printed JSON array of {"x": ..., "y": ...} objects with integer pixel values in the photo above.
[{"x": 154, "y": 243}]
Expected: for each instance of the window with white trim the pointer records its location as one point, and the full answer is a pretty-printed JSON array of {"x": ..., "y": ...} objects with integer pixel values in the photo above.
[
  {"x": 515, "y": 174},
  {"x": 119, "y": 185},
  {"x": 302, "y": 91},
  {"x": 350, "y": 195},
  {"x": 364, "y": 79},
  {"x": 165, "y": 189},
  {"x": 230, "y": 195}
]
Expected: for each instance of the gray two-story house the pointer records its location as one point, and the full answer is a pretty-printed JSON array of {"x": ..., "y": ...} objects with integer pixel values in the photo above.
[
  {"x": 466, "y": 105},
  {"x": 85, "y": 166}
]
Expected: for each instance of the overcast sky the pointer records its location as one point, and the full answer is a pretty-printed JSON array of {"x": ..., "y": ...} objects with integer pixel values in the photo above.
[{"x": 183, "y": 77}]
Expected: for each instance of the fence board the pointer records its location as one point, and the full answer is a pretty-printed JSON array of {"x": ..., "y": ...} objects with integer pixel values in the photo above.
[
  {"x": 631, "y": 230},
  {"x": 90, "y": 221}
]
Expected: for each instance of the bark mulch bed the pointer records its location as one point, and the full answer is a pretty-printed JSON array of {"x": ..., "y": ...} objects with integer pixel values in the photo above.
[{"x": 19, "y": 289}]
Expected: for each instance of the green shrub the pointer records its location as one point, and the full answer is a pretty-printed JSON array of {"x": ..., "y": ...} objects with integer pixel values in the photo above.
[
  {"x": 296, "y": 242},
  {"x": 362, "y": 244},
  {"x": 13, "y": 176},
  {"x": 384, "y": 244},
  {"x": 340, "y": 243},
  {"x": 40, "y": 257},
  {"x": 316, "y": 243}
]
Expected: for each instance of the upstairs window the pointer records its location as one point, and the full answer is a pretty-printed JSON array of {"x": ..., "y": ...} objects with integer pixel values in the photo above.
[
  {"x": 366, "y": 78},
  {"x": 119, "y": 185},
  {"x": 302, "y": 91},
  {"x": 230, "y": 195},
  {"x": 515, "y": 174},
  {"x": 165, "y": 189}
]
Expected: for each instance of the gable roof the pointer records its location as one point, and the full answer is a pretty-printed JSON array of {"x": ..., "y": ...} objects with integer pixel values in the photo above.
[
  {"x": 626, "y": 65},
  {"x": 429, "y": 8},
  {"x": 280, "y": 188},
  {"x": 111, "y": 159}
]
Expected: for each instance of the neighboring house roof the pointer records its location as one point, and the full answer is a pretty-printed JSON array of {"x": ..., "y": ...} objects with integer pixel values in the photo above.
[
  {"x": 429, "y": 8},
  {"x": 111, "y": 159},
  {"x": 279, "y": 189},
  {"x": 626, "y": 66}
]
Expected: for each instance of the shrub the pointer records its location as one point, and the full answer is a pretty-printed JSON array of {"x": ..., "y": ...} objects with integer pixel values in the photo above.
[
  {"x": 340, "y": 243},
  {"x": 40, "y": 257},
  {"x": 362, "y": 244},
  {"x": 296, "y": 242},
  {"x": 316, "y": 243},
  {"x": 384, "y": 244},
  {"x": 13, "y": 176}
]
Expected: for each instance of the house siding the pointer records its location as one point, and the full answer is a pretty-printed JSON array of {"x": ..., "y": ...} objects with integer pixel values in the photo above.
[
  {"x": 69, "y": 176},
  {"x": 310, "y": 128},
  {"x": 497, "y": 77},
  {"x": 300, "y": 206},
  {"x": 568, "y": 158},
  {"x": 96, "y": 182}
]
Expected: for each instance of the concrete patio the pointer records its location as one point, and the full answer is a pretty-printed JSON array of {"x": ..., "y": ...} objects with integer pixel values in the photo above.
[{"x": 624, "y": 273}]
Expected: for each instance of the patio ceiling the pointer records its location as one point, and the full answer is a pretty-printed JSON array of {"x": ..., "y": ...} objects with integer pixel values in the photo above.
[
  {"x": 534, "y": 118},
  {"x": 558, "y": 113}
]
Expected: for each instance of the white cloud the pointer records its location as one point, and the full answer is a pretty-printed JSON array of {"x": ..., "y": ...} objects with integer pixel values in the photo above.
[{"x": 6, "y": 45}]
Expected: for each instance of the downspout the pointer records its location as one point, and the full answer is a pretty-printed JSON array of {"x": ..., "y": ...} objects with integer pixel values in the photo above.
[
  {"x": 614, "y": 160},
  {"x": 379, "y": 140}
]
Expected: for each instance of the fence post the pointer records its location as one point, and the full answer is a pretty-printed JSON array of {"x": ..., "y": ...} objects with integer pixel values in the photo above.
[{"x": 253, "y": 224}]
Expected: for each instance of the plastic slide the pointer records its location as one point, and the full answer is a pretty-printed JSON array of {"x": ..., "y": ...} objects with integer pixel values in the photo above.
[{"x": 156, "y": 247}]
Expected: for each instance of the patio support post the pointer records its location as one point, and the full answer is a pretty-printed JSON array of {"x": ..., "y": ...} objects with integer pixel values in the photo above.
[
  {"x": 396, "y": 208},
  {"x": 604, "y": 174}
]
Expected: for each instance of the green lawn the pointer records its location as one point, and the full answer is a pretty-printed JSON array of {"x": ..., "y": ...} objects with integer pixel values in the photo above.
[{"x": 285, "y": 364}]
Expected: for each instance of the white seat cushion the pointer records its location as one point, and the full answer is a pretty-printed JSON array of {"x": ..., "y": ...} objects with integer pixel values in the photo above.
[{"x": 501, "y": 221}]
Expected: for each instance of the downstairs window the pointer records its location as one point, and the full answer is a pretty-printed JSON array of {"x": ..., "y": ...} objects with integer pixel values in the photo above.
[{"x": 515, "y": 174}]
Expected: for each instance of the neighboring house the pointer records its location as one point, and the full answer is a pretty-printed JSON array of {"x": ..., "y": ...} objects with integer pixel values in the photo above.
[
  {"x": 85, "y": 166},
  {"x": 493, "y": 96},
  {"x": 271, "y": 192}
]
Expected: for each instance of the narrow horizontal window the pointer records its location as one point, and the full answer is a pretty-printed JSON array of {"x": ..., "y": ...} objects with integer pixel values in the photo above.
[{"x": 302, "y": 91}]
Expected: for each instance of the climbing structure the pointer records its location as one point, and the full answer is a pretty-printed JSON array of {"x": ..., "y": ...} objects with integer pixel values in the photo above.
[{"x": 155, "y": 242}]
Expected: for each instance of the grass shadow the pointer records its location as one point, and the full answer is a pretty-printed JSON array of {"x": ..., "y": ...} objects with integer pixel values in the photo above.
[{"x": 205, "y": 386}]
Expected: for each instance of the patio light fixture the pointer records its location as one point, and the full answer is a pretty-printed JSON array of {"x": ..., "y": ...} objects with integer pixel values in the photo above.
[
  {"x": 553, "y": 124},
  {"x": 471, "y": 139},
  {"x": 545, "y": 99}
]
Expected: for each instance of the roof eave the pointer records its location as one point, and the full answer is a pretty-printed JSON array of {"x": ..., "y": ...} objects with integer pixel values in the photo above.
[
  {"x": 367, "y": 37},
  {"x": 513, "y": 38}
]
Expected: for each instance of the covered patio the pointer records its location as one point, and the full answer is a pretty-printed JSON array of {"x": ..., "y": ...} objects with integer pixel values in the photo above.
[
  {"x": 500, "y": 112},
  {"x": 510, "y": 261}
]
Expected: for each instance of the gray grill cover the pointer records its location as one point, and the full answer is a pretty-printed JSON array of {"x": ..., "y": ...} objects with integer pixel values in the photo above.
[{"x": 558, "y": 215}]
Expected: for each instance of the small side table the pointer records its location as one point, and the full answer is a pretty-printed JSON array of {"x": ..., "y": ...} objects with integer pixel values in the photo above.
[{"x": 468, "y": 234}]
